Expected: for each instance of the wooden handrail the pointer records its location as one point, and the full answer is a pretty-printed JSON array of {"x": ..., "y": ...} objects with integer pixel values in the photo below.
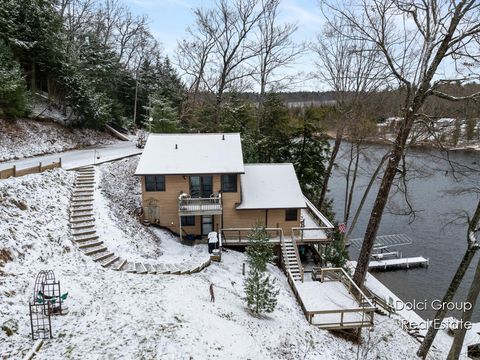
[{"x": 317, "y": 214}]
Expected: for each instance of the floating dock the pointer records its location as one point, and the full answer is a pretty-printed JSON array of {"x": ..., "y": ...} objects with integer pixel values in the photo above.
[{"x": 401, "y": 263}]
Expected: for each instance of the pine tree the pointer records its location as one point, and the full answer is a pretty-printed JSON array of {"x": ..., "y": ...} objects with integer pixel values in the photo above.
[
  {"x": 12, "y": 85},
  {"x": 259, "y": 287},
  {"x": 259, "y": 251},
  {"x": 164, "y": 115},
  {"x": 261, "y": 292}
]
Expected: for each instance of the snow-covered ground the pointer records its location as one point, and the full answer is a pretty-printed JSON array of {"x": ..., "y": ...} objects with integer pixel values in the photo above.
[
  {"x": 118, "y": 315},
  {"x": 23, "y": 138}
]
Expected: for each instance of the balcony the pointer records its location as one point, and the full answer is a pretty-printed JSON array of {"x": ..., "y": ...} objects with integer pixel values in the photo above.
[{"x": 188, "y": 206}]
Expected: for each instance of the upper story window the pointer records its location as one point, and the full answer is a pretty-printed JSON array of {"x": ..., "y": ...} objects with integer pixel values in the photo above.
[
  {"x": 229, "y": 183},
  {"x": 201, "y": 186},
  {"x": 291, "y": 214},
  {"x": 155, "y": 183}
]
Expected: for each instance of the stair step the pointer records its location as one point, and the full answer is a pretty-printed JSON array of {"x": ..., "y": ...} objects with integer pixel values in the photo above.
[
  {"x": 81, "y": 218},
  {"x": 120, "y": 265},
  {"x": 140, "y": 268},
  {"x": 77, "y": 199},
  {"x": 130, "y": 268},
  {"x": 162, "y": 269},
  {"x": 174, "y": 269},
  {"x": 103, "y": 256},
  {"x": 150, "y": 269},
  {"x": 91, "y": 243},
  {"x": 84, "y": 194},
  {"x": 83, "y": 204},
  {"x": 85, "y": 187},
  {"x": 83, "y": 208},
  {"x": 83, "y": 225},
  {"x": 109, "y": 261},
  {"x": 86, "y": 238},
  {"x": 84, "y": 232},
  {"x": 95, "y": 250},
  {"x": 78, "y": 218}
]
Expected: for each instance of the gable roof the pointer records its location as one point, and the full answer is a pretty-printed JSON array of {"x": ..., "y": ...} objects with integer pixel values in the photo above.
[
  {"x": 270, "y": 186},
  {"x": 186, "y": 154}
]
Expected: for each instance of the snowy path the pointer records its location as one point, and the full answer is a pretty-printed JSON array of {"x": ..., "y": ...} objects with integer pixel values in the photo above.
[{"x": 77, "y": 158}]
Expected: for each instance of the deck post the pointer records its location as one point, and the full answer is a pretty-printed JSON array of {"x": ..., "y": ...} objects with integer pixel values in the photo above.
[{"x": 180, "y": 227}]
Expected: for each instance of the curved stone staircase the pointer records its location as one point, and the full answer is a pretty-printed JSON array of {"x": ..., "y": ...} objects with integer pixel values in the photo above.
[{"x": 82, "y": 224}]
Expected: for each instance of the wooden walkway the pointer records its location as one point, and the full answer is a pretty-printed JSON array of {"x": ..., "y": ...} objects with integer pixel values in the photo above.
[
  {"x": 82, "y": 224},
  {"x": 401, "y": 263}
]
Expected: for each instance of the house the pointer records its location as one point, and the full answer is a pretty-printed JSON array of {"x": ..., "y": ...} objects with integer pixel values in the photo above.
[
  {"x": 196, "y": 184},
  {"x": 193, "y": 184}
]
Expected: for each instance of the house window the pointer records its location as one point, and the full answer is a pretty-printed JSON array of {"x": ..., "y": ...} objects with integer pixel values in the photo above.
[
  {"x": 229, "y": 183},
  {"x": 201, "y": 186},
  {"x": 188, "y": 220},
  {"x": 291, "y": 214},
  {"x": 155, "y": 183}
]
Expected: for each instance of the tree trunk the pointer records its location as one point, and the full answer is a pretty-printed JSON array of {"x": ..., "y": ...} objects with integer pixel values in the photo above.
[
  {"x": 331, "y": 162},
  {"x": 33, "y": 81},
  {"x": 382, "y": 198},
  {"x": 364, "y": 198},
  {"x": 455, "y": 283},
  {"x": 135, "y": 104},
  {"x": 447, "y": 298},
  {"x": 466, "y": 317},
  {"x": 352, "y": 187}
]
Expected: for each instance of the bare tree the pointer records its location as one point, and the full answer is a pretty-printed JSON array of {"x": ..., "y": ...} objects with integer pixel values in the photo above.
[
  {"x": 472, "y": 248},
  {"x": 351, "y": 68},
  {"x": 276, "y": 48},
  {"x": 230, "y": 26},
  {"x": 473, "y": 230},
  {"x": 414, "y": 38},
  {"x": 193, "y": 54}
]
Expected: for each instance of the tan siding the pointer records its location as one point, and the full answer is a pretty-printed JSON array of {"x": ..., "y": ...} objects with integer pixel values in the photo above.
[
  {"x": 276, "y": 218},
  {"x": 167, "y": 202}
]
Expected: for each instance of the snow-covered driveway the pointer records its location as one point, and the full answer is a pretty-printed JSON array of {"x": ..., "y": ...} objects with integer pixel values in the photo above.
[{"x": 76, "y": 158}]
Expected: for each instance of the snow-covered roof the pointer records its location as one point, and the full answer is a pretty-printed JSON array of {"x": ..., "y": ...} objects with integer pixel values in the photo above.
[
  {"x": 270, "y": 186},
  {"x": 168, "y": 154}
]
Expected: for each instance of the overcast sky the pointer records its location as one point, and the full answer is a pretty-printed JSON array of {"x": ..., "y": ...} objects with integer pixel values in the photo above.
[{"x": 170, "y": 18}]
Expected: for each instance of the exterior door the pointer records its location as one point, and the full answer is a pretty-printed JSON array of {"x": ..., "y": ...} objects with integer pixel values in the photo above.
[
  {"x": 207, "y": 224},
  {"x": 201, "y": 186},
  {"x": 152, "y": 211}
]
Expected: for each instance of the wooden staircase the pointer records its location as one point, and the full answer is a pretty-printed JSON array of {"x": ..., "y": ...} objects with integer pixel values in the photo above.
[
  {"x": 291, "y": 259},
  {"x": 82, "y": 224}
]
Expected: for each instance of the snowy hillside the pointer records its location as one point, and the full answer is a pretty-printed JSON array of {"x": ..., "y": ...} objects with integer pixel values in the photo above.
[
  {"x": 120, "y": 315},
  {"x": 24, "y": 138}
]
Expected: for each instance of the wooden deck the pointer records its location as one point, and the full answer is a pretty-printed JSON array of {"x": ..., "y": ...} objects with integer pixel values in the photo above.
[{"x": 330, "y": 304}]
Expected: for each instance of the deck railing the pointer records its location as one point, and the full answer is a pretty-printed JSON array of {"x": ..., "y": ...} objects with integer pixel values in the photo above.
[
  {"x": 207, "y": 206},
  {"x": 240, "y": 236},
  {"x": 321, "y": 220},
  {"x": 365, "y": 306}
]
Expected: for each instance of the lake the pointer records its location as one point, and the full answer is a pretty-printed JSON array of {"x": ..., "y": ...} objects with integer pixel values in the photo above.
[{"x": 434, "y": 234}]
